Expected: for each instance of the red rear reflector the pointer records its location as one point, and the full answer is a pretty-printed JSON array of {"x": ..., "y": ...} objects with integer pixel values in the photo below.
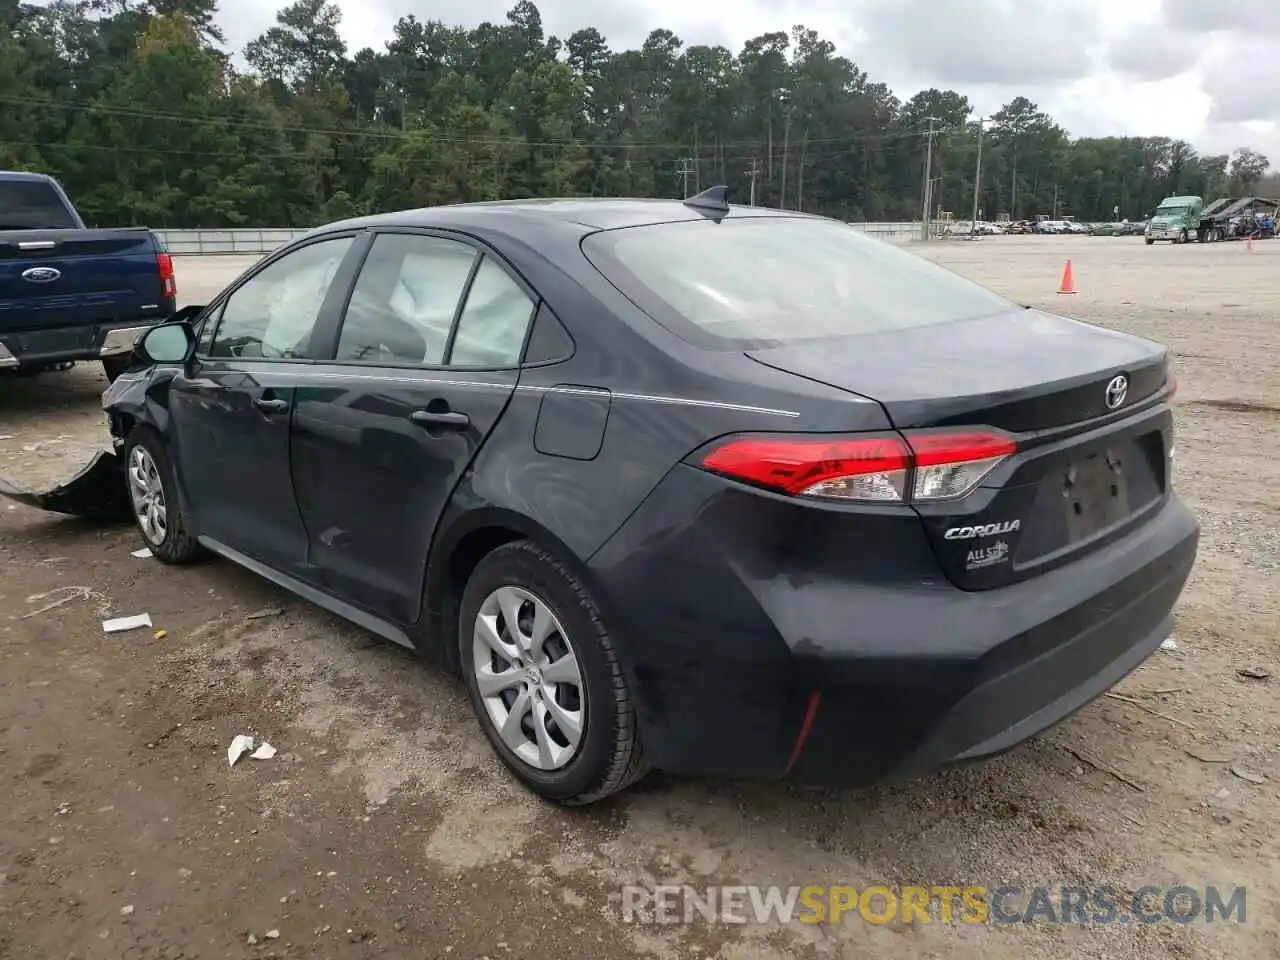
[
  {"x": 168, "y": 280},
  {"x": 942, "y": 464}
]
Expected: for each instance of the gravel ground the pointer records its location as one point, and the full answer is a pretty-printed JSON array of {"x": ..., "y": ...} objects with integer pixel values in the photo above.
[{"x": 383, "y": 828}]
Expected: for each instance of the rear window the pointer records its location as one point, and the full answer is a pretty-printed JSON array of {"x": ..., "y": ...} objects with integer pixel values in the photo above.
[
  {"x": 33, "y": 205},
  {"x": 761, "y": 281}
]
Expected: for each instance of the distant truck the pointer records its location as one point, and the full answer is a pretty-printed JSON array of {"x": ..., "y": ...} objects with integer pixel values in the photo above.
[
  {"x": 1234, "y": 218},
  {"x": 71, "y": 293},
  {"x": 1176, "y": 219}
]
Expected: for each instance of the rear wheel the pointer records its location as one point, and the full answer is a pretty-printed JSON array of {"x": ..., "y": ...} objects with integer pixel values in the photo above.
[
  {"x": 544, "y": 680},
  {"x": 153, "y": 496}
]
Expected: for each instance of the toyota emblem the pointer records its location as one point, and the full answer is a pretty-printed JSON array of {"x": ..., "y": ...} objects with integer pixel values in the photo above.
[{"x": 1117, "y": 391}]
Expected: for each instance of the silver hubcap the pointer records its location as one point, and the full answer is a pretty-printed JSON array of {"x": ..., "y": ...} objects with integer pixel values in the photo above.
[
  {"x": 148, "y": 496},
  {"x": 528, "y": 677}
]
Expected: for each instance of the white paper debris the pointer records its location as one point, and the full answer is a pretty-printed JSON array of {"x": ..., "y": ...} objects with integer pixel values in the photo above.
[
  {"x": 142, "y": 554},
  {"x": 264, "y": 752},
  {"x": 121, "y": 624},
  {"x": 1169, "y": 644},
  {"x": 239, "y": 746}
]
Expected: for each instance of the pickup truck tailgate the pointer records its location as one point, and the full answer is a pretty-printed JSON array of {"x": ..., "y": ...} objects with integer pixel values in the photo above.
[{"x": 56, "y": 279}]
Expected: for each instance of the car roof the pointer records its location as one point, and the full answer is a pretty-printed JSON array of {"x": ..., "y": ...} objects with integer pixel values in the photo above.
[
  {"x": 25, "y": 176},
  {"x": 587, "y": 214}
]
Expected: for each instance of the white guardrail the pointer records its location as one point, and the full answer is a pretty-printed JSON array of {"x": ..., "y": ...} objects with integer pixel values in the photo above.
[{"x": 203, "y": 243}]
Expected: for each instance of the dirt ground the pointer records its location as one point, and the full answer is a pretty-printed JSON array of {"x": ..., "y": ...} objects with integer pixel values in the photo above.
[{"x": 384, "y": 828}]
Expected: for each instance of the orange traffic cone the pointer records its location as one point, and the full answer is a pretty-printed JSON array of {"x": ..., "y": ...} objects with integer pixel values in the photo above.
[{"x": 1068, "y": 285}]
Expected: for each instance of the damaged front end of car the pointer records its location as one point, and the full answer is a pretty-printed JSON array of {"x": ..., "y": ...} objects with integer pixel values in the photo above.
[{"x": 100, "y": 491}]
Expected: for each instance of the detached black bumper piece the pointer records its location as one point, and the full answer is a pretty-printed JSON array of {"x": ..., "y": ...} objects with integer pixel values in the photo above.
[{"x": 98, "y": 492}]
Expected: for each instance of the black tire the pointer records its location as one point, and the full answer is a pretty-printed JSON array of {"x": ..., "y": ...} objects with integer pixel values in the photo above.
[
  {"x": 1149, "y": 241},
  {"x": 178, "y": 545},
  {"x": 114, "y": 366},
  {"x": 1182, "y": 237},
  {"x": 609, "y": 757}
]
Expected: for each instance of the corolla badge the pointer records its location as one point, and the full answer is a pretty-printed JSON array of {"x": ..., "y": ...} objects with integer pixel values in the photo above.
[
  {"x": 1117, "y": 390},
  {"x": 41, "y": 274}
]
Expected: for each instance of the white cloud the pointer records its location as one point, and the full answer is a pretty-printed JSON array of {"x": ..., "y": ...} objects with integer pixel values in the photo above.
[{"x": 1203, "y": 70}]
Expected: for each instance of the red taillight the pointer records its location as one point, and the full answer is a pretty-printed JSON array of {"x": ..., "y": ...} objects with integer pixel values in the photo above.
[
  {"x": 168, "y": 280},
  {"x": 920, "y": 466},
  {"x": 877, "y": 466}
]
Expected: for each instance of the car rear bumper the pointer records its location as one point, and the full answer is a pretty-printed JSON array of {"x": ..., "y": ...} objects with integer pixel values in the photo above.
[
  {"x": 850, "y": 668},
  {"x": 61, "y": 344}
]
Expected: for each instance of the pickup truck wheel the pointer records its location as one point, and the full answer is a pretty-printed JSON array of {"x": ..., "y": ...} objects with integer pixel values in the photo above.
[
  {"x": 153, "y": 496},
  {"x": 114, "y": 366}
]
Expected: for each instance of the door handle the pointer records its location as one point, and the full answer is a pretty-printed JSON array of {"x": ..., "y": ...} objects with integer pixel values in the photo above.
[
  {"x": 272, "y": 405},
  {"x": 441, "y": 418}
]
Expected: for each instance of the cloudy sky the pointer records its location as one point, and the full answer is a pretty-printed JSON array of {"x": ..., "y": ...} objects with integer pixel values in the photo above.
[{"x": 1203, "y": 70}]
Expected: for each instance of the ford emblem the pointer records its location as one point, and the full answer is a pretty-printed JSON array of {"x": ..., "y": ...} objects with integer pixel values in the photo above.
[{"x": 41, "y": 274}]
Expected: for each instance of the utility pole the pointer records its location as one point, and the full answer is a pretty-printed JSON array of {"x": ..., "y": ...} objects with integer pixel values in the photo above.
[
  {"x": 753, "y": 173},
  {"x": 684, "y": 171},
  {"x": 977, "y": 181},
  {"x": 928, "y": 183},
  {"x": 1055, "y": 201}
]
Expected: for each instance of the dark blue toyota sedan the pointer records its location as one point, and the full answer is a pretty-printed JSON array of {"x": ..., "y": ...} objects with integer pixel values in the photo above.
[{"x": 716, "y": 490}]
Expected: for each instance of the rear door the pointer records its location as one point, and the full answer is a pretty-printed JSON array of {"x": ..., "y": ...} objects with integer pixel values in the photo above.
[
  {"x": 231, "y": 407},
  {"x": 424, "y": 362}
]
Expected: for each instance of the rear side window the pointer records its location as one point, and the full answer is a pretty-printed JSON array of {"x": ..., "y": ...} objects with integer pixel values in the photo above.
[
  {"x": 762, "y": 281},
  {"x": 494, "y": 322},
  {"x": 404, "y": 302},
  {"x": 33, "y": 205}
]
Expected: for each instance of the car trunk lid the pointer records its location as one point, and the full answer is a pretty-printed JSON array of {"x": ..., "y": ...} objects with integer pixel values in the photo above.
[{"x": 1081, "y": 402}]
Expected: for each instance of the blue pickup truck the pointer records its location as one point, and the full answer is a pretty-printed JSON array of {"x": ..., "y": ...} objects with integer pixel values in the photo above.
[{"x": 69, "y": 292}]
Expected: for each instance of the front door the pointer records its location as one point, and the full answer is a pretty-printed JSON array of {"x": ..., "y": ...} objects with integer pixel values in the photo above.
[
  {"x": 424, "y": 363},
  {"x": 231, "y": 408}
]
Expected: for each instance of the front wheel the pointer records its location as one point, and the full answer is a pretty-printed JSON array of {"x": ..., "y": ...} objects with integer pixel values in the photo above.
[
  {"x": 1182, "y": 237},
  {"x": 153, "y": 496},
  {"x": 544, "y": 680}
]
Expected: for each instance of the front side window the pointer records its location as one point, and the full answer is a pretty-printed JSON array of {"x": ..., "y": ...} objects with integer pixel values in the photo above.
[
  {"x": 272, "y": 315},
  {"x": 751, "y": 282}
]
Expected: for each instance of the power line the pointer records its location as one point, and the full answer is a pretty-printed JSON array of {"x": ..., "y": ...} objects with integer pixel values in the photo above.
[{"x": 403, "y": 135}]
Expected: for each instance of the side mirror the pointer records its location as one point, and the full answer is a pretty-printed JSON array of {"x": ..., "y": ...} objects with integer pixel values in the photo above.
[
  {"x": 186, "y": 314},
  {"x": 167, "y": 343}
]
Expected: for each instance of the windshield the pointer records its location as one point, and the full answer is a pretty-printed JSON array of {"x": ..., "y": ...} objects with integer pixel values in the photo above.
[
  {"x": 760, "y": 281},
  {"x": 33, "y": 205},
  {"x": 1170, "y": 211}
]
